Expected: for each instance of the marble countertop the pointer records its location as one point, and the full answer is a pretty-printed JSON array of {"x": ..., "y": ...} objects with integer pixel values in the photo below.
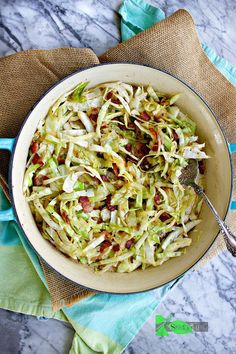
[{"x": 207, "y": 294}]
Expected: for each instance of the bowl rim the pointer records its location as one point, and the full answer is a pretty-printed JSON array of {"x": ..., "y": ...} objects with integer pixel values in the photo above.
[{"x": 10, "y": 171}]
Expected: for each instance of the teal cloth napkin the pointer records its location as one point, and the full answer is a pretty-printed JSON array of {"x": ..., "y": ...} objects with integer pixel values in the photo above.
[{"x": 103, "y": 323}]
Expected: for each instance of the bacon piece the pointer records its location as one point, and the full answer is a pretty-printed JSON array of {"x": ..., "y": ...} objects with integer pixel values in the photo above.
[
  {"x": 115, "y": 169},
  {"x": 104, "y": 178},
  {"x": 201, "y": 167},
  {"x": 34, "y": 147},
  {"x": 145, "y": 116},
  {"x": 132, "y": 125},
  {"x": 115, "y": 100},
  {"x": 83, "y": 199},
  {"x": 104, "y": 125},
  {"x": 154, "y": 133},
  {"x": 175, "y": 136},
  {"x": 165, "y": 216},
  {"x": 131, "y": 159},
  {"x": 122, "y": 126},
  {"x": 157, "y": 198},
  {"x": 94, "y": 114},
  {"x": 38, "y": 180},
  {"x": 129, "y": 243},
  {"x": 61, "y": 160},
  {"x": 65, "y": 217},
  {"x": 116, "y": 248},
  {"x": 157, "y": 119},
  {"x": 108, "y": 204},
  {"x": 155, "y": 147},
  {"x": 87, "y": 207},
  {"x": 105, "y": 245},
  {"x": 145, "y": 164},
  {"x": 128, "y": 147},
  {"x": 93, "y": 117},
  {"x": 95, "y": 110},
  {"x": 141, "y": 150},
  {"x": 109, "y": 95},
  {"x": 37, "y": 160}
]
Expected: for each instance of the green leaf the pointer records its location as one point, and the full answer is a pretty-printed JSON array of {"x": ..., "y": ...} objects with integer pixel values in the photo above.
[
  {"x": 139, "y": 199},
  {"x": 161, "y": 331},
  {"x": 53, "y": 164},
  {"x": 167, "y": 142},
  {"x": 160, "y": 319},
  {"x": 188, "y": 124},
  {"x": 180, "y": 327},
  {"x": 174, "y": 98},
  {"x": 78, "y": 186},
  {"x": 77, "y": 94},
  {"x": 81, "y": 214}
]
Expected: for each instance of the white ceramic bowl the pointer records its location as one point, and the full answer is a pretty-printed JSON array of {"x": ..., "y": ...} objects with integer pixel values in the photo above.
[{"x": 218, "y": 180}]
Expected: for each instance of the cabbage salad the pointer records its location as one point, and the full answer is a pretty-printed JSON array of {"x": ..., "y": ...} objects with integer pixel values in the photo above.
[{"x": 102, "y": 176}]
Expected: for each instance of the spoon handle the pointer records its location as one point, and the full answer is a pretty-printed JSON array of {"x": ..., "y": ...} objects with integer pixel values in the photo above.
[{"x": 229, "y": 237}]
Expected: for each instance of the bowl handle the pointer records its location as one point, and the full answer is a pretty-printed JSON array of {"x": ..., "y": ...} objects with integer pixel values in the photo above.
[
  {"x": 232, "y": 148},
  {"x": 7, "y": 144}
]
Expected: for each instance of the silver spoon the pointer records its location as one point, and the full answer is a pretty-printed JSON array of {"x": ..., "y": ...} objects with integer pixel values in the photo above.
[{"x": 187, "y": 178}]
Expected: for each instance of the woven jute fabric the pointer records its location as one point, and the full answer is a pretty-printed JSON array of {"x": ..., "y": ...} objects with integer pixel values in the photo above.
[
  {"x": 63, "y": 292},
  {"x": 171, "y": 45}
]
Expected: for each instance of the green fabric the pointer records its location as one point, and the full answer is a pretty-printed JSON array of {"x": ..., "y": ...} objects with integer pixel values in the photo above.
[
  {"x": 21, "y": 288},
  {"x": 104, "y": 323},
  {"x": 90, "y": 342},
  {"x": 136, "y": 16}
]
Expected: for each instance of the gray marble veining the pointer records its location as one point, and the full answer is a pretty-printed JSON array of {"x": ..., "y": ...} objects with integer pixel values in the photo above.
[
  {"x": 50, "y": 24},
  {"x": 208, "y": 294},
  {"x": 22, "y": 334},
  {"x": 27, "y": 24}
]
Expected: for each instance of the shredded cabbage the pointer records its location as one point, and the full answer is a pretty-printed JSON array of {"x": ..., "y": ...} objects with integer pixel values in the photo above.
[{"x": 102, "y": 176}]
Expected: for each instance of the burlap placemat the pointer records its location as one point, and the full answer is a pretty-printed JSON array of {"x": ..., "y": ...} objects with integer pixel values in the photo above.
[{"x": 171, "y": 45}]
